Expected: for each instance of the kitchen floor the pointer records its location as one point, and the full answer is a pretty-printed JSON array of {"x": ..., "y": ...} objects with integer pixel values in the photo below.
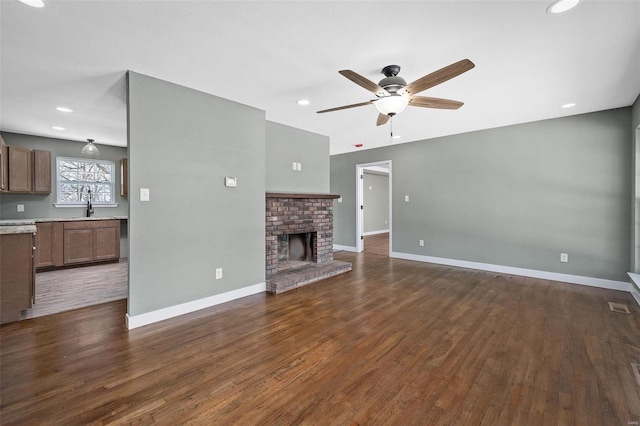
[{"x": 67, "y": 289}]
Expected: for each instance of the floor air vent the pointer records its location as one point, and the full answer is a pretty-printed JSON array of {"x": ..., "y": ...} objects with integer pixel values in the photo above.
[{"x": 619, "y": 307}]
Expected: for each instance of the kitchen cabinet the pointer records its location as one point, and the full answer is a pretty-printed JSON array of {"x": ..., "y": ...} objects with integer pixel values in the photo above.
[
  {"x": 41, "y": 172},
  {"x": 49, "y": 248},
  {"x": 124, "y": 178},
  {"x": 91, "y": 241},
  {"x": 25, "y": 171},
  {"x": 16, "y": 275},
  {"x": 4, "y": 167},
  {"x": 20, "y": 169}
]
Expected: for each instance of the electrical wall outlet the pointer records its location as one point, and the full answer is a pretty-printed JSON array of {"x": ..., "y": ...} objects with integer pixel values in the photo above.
[
  {"x": 218, "y": 273},
  {"x": 421, "y": 243},
  {"x": 20, "y": 207},
  {"x": 564, "y": 257}
]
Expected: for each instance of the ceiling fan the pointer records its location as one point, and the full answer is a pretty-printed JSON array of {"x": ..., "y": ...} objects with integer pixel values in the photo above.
[{"x": 394, "y": 94}]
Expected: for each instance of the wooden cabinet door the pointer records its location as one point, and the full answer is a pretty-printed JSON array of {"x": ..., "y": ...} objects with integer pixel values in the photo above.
[
  {"x": 20, "y": 169},
  {"x": 106, "y": 243},
  {"x": 41, "y": 172},
  {"x": 44, "y": 250},
  {"x": 124, "y": 178},
  {"x": 4, "y": 167},
  {"x": 16, "y": 273},
  {"x": 78, "y": 246}
]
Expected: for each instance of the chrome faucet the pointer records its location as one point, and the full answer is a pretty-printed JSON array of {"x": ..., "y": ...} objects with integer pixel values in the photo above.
[{"x": 89, "y": 205}]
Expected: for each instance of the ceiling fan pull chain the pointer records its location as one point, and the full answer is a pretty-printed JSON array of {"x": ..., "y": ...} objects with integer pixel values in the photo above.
[{"x": 391, "y": 127}]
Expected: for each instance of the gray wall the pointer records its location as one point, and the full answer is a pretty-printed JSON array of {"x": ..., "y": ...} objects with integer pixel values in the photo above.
[
  {"x": 514, "y": 196},
  {"x": 182, "y": 143},
  {"x": 635, "y": 195},
  {"x": 287, "y": 144},
  {"x": 375, "y": 199}
]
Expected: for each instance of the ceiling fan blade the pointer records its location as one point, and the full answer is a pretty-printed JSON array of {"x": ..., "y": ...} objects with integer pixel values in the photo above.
[
  {"x": 425, "y": 102},
  {"x": 345, "y": 107},
  {"x": 440, "y": 76},
  {"x": 364, "y": 82},
  {"x": 382, "y": 119}
]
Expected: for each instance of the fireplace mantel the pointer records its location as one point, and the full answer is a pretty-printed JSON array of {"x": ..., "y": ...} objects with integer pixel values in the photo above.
[{"x": 299, "y": 195}]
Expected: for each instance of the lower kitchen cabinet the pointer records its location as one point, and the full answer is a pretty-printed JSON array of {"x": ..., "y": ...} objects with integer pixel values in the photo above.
[
  {"x": 77, "y": 242},
  {"x": 16, "y": 275},
  {"x": 49, "y": 244},
  {"x": 91, "y": 241}
]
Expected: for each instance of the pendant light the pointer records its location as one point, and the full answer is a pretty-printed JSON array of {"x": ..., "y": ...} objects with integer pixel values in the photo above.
[{"x": 90, "y": 148}]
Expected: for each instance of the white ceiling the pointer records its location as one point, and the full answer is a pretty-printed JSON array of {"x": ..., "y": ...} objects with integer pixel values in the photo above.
[{"x": 270, "y": 54}]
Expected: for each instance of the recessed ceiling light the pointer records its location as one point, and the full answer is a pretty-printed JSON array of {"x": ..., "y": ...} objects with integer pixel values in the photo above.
[
  {"x": 396, "y": 136},
  {"x": 303, "y": 102},
  {"x": 33, "y": 3},
  {"x": 64, "y": 109},
  {"x": 57, "y": 128},
  {"x": 560, "y": 6},
  {"x": 569, "y": 105}
]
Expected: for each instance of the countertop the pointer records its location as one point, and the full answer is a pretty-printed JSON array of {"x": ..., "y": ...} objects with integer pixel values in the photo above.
[
  {"x": 23, "y": 222},
  {"x": 18, "y": 229}
]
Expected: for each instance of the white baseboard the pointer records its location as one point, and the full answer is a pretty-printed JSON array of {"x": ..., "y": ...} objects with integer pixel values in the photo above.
[
  {"x": 382, "y": 231},
  {"x": 553, "y": 276},
  {"x": 195, "y": 305},
  {"x": 337, "y": 247},
  {"x": 635, "y": 286}
]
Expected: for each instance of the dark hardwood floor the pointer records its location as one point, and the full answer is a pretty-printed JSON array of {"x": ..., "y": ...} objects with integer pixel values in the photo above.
[
  {"x": 392, "y": 342},
  {"x": 377, "y": 244}
]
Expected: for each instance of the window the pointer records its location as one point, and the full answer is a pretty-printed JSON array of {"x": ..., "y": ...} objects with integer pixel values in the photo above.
[{"x": 75, "y": 176}]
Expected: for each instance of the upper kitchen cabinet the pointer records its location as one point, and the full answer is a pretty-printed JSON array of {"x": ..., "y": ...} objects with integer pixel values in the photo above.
[
  {"x": 25, "y": 171},
  {"x": 4, "y": 167},
  {"x": 20, "y": 169},
  {"x": 41, "y": 172}
]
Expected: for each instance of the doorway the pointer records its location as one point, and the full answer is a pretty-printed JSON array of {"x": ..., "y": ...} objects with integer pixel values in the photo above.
[{"x": 373, "y": 207}]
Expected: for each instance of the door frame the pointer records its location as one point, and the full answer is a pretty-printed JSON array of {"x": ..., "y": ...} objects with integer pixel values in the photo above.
[{"x": 360, "y": 198}]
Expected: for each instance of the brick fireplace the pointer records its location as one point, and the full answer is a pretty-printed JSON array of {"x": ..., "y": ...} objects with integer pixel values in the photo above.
[{"x": 307, "y": 221}]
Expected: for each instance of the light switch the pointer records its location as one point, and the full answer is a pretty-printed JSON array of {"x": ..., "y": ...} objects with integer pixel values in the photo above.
[
  {"x": 340, "y": 199},
  {"x": 230, "y": 181},
  {"x": 20, "y": 207},
  {"x": 370, "y": 187},
  {"x": 299, "y": 167},
  {"x": 144, "y": 194},
  {"x": 406, "y": 198},
  {"x": 295, "y": 166}
]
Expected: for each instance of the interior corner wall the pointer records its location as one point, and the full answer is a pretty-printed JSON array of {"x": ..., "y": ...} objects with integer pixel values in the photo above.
[
  {"x": 182, "y": 145},
  {"x": 286, "y": 145},
  {"x": 375, "y": 199},
  {"x": 514, "y": 196},
  {"x": 635, "y": 193}
]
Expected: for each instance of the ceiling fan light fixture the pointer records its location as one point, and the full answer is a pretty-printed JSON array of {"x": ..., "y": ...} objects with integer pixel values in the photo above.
[
  {"x": 90, "y": 148},
  {"x": 560, "y": 6},
  {"x": 392, "y": 105}
]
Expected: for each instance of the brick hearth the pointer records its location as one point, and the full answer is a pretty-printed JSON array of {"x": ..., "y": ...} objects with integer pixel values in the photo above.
[{"x": 288, "y": 214}]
